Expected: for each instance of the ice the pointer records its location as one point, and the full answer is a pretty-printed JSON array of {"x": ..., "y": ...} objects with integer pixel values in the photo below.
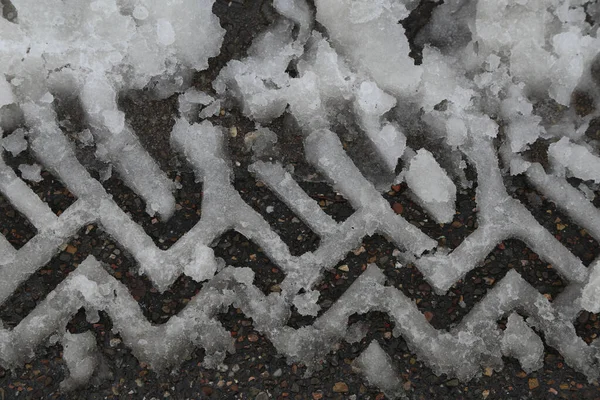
[
  {"x": 372, "y": 103},
  {"x": 521, "y": 342},
  {"x": 386, "y": 51},
  {"x": 256, "y": 80},
  {"x": 80, "y": 354},
  {"x": 31, "y": 172},
  {"x": 431, "y": 185},
  {"x": 165, "y": 32},
  {"x": 6, "y": 94},
  {"x": 306, "y": 303},
  {"x": 299, "y": 12},
  {"x": 590, "y": 298},
  {"x": 577, "y": 159},
  {"x": 204, "y": 266},
  {"x": 261, "y": 142},
  {"x": 377, "y": 366},
  {"x": 15, "y": 143}
]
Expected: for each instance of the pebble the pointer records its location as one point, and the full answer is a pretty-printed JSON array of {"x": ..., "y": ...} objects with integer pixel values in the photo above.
[
  {"x": 340, "y": 387},
  {"x": 452, "y": 383},
  {"x": 533, "y": 383},
  {"x": 398, "y": 208},
  {"x": 262, "y": 396}
]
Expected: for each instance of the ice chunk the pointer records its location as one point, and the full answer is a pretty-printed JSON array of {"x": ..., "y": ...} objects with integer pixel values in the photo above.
[
  {"x": 371, "y": 104},
  {"x": 31, "y": 172},
  {"x": 203, "y": 266},
  {"x": 431, "y": 185},
  {"x": 211, "y": 110},
  {"x": 385, "y": 53},
  {"x": 377, "y": 366},
  {"x": 114, "y": 120},
  {"x": 15, "y": 142},
  {"x": 299, "y": 12},
  {"x": 372, "y": 100},
  {"x": 590, "y": 296},
  {"x": 82, "y": 358},
  {"x": 306, "y": 303},
  {"x": 456, "y": 129},
  {"x": 521, "y": 342},
  {"x": 257, "y": 80},
  {"x": 441, "y": 81},
  {"x": 577, "y": 159},
  {"x": 523, "y": 127}
]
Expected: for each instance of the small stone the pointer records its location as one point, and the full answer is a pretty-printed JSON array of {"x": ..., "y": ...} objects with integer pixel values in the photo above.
[
  {"x": 359, "y": 251},
  {"x": 485, "y": 394},
  {"x": 277, "y": 373},
  {"x": 533, "y": 383},
  {"x": 71, "y": 249},
  {"x": 428, "y": 315},
  {"x": 276, "y": 288},
  {"x": 317, "y": 396},
  {"x": 398, "y": 208},
  {"x": 262, "y": 396},
  {"x": 340, "y": 387},
  {"x": 488, "y": 371},
  {"x": 452, "y": 383},
  {"x": 233, "y": 131},
  {"x": 344, "y": 268},
  {"x": 253, "y": 337}
]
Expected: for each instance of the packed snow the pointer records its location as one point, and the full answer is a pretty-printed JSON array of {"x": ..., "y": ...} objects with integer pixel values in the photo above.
[{"x": 494, "y": 82}]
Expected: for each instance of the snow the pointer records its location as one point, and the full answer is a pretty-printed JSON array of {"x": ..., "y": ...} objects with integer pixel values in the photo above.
[
  {"x": 431, "y": 186},
  {"x": 498, "y": 81}
]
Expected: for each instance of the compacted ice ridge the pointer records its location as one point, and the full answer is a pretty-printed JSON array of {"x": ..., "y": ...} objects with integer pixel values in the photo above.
[{"x": 492, "y": 81}]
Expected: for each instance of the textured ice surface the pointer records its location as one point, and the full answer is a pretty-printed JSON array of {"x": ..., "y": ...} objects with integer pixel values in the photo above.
[
  {"x": 431, "y": 186},
  {"x": 498, "y": 81}
]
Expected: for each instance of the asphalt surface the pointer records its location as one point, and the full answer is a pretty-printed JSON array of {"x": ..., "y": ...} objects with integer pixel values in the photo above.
[{"x": 255, "y": 371}]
